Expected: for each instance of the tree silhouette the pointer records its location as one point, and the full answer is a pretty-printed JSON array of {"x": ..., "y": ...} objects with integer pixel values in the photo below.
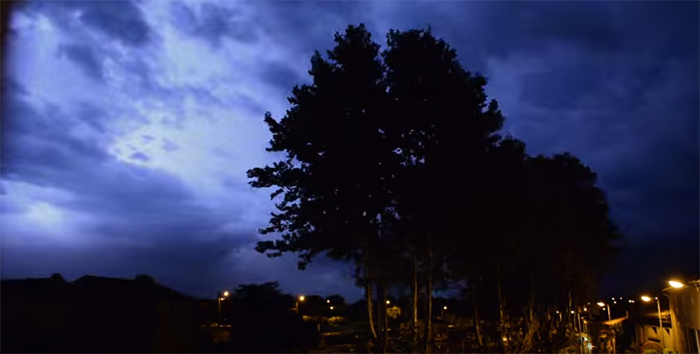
[
  {"x": 262, "y": 321},
  {"x": 447, "y": 123},
  {"x": 394, "y": 162},
  {"x": 336, "y": 166}
]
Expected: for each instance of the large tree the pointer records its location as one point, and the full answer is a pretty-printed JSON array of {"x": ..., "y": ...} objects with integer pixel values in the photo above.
[
  {"x": 548, "y": 238},
  {"x": 333, "y": 178},
  {"x": 447, "y": 127},
  {"x": 394, "y": 162}
]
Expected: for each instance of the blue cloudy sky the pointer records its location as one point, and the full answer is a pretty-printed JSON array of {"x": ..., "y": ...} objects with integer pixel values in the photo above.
[{"x": 128, "y": 126}]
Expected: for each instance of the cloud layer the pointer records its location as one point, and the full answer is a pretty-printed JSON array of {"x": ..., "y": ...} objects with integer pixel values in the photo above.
[{"x": 129, "y": 125}]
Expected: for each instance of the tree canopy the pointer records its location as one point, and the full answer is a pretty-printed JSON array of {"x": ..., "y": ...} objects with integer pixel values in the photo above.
[{"x": 394, "y": 161}]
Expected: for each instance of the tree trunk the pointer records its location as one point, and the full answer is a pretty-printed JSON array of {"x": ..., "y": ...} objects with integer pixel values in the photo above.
[
  {"x": 532, "y": 326},
  {"x": 477, "y": 319},
  {"x": 415, "y": 300},
  {"x": 368, "y": 298},
  {"x": 385, "y": 320},
  {"x": 429, "y": 300},
  {"x": 569, "y": 306},
  {"x": 501, "y": 310},
  {"x": 380, "y": 329}
]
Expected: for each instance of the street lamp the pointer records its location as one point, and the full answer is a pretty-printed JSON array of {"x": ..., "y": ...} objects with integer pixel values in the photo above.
[
  {"x": 675, "y": 284},
  {"x": 444, "y": 308},
  {"x": 602, "y": 304},
  {"x": 658, "y": 307},
  {"x": 296, "y": 303},
  {"x": 219, "y": 299}
]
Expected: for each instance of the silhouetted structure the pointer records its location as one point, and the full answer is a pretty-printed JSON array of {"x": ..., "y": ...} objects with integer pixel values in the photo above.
[{"x": 96, "y": 314}]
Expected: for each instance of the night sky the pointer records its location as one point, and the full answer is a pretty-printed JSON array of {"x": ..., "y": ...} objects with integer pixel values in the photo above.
[{"x": 128, "y": 126}]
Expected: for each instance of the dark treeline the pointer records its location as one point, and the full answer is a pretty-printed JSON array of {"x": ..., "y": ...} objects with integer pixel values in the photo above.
[
  {"x": 113, "y": 315},
  {"x": 392, "y": 160}
]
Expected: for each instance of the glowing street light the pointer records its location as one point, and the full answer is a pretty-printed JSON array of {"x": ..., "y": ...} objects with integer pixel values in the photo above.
[
  {"x": 444, "y": 308},
  {"x": 603, "y": 305},
  {"x": 331, "y": 307},
  {"x": 675, "y": 284},
  {"x": 388, "y": 302},
  {"x": 296, "y": 303},
  {"x": 221, "y": 298},
  {"x": 658, "y": 307}
]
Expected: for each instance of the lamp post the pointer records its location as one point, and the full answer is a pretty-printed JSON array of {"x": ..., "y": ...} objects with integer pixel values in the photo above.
[
  {"x": 220, "y": 298},
  {"x": 658, "y": 308},
  {"x": 678, "y": 285},
  {"x": 602, "y": 304},
  {"x": 296, "y": 303}
]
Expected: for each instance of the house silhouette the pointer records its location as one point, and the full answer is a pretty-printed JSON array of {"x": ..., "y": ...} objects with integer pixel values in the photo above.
[{"x": 95, "y": 314}]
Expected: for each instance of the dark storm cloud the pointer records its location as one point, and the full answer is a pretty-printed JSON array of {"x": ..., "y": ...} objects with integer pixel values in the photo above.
[
  {"x": 36, "y": 142},
  {"x": 120, "y": 20},
  {"x": 282, "y": 76},
  {"x": 169, "y": 146},
  {"x": 213, "y": 22},
  {"x": 145, "y": 220},
  {"x": 85, "y": 58},
  {"x": 615, "y": 83},
  {"x": 309, "y": 25},
  {"x": 140, "y": 156}
]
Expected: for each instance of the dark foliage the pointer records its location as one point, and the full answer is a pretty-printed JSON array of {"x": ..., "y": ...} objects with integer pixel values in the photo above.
[
  {"x": 262, "y": 321},
  {"x": 394, "y": 162}
]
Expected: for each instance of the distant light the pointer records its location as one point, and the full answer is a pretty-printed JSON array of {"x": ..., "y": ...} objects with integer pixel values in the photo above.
[
  {"x": 328, "y": 301},
  {"x": 630, "y": 301},
  {"x": 614, "y": 302},
  {"x": 388, "y": 302},
  {"x": 646, "y": 298},
  {"x": 585, "y": 309},
  {"x": 620, "y": 297},
  {"x": 331, "y": 307},
  {"x": 613, "y": 298},
  {"x": 601, "y": 304},
  {"x": 557, "y": 311},
  {"x": 225, "y": 293},
  {"x": 444, "y": 307},
  {"x": 301, "y": 298},
  {"x": 675, "y": 284}
]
